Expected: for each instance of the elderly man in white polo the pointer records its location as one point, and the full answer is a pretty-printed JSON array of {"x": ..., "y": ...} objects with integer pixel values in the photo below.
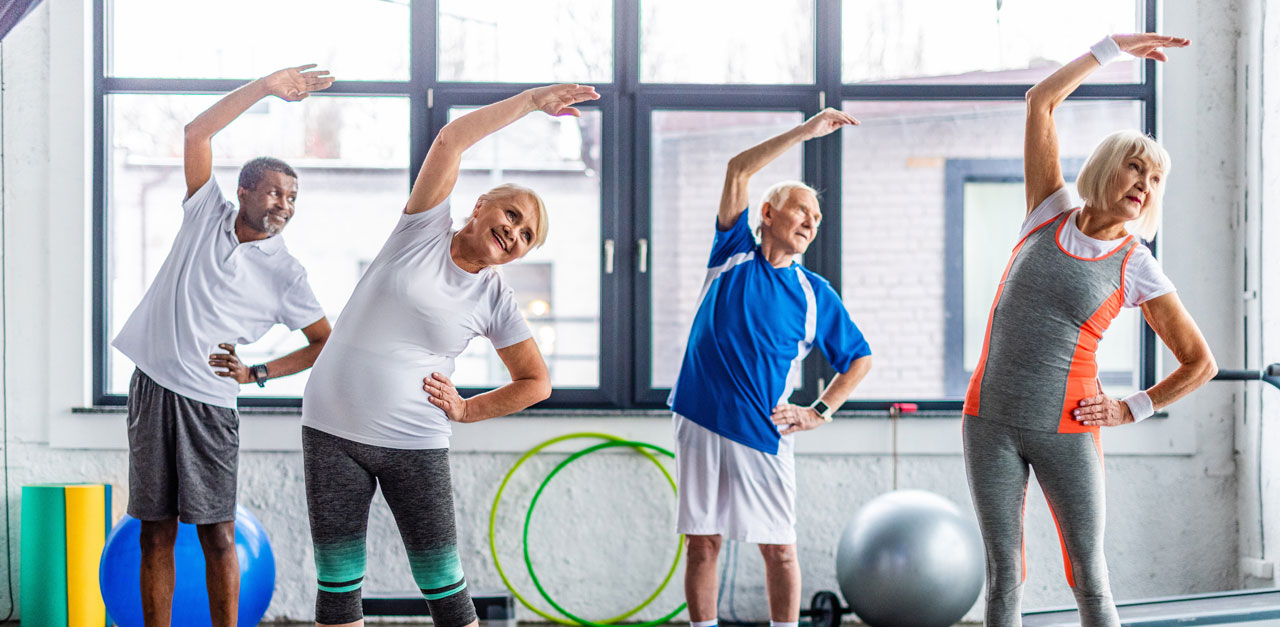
[{"x": 227, "y": 280}]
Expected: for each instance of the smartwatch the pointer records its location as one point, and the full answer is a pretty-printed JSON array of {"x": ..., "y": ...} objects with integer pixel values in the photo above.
[
  {"x": 259, "y": 373},
  {"x": 823, "y": 410}
]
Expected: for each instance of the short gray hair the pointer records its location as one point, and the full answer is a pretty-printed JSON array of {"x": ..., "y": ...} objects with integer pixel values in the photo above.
[
  {"x": 777, "y": 194},
  {"x": 251, "y": 172}
]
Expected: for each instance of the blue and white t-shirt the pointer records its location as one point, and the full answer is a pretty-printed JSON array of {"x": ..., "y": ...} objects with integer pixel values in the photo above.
[{"x": 754, "y": 325}]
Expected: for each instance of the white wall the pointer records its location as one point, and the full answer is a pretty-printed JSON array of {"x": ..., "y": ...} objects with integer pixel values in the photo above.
[
  {"x": 1173, "y": 493},
  {"x": 1257, "y": 437}
]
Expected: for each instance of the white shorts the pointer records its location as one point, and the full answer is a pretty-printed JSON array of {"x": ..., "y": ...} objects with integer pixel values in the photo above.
[{"x": 732, "y": 490}]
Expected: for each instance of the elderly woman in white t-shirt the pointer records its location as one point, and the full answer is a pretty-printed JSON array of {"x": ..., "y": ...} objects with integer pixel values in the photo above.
[
  {"x": 1034, "y": 401},
  {"x": 378, "y": 406}
]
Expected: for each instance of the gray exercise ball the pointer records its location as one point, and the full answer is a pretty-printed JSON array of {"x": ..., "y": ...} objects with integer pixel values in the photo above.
[{"x": 910, "y": 558}]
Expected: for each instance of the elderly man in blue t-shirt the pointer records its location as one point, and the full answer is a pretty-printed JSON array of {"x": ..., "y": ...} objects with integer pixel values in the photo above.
[{"x": 760, "y": 314}]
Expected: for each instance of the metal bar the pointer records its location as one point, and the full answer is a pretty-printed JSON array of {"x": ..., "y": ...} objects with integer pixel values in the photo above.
[
  {"x": 422, "y": 71},
  {"x": 1270, "y": 374},
  {"x": 100, "y": 291}
]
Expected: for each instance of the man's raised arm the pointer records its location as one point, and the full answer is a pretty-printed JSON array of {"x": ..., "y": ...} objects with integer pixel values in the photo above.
[
  {"x": 733, "y": 200},
  {"x": 291, "y": 84}
]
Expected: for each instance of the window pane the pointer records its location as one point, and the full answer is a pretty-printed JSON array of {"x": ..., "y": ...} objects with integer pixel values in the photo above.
[
  {"x": 900, "y": 210},
  {"x": 720, "y": 41},
  {"x": 980, "y": 41},
  {"x": 513, "y": 41},
  {"x": 354, "y": 39},
  {"x": 350, "y": 154},
  {"x": 558, "y": 285},
  {"x": 689, "y": 152}
]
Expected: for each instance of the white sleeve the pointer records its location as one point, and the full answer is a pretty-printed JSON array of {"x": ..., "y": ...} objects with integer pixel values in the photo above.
[
  {"x": 298, "y": 304},
  {"x": 1143, "y": 278},
  {"x": 207, "y": 199},
  {"x": 432, "y": 221},
  {"x": 1052, "y": 207},
  {"x": 506, "y": 325}
]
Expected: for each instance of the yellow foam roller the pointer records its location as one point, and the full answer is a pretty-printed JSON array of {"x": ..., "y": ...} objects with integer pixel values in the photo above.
[{"x": 85, "y": 522}]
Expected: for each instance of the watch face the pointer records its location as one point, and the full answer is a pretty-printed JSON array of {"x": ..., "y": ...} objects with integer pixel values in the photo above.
[{"x": 822, "y": 408}]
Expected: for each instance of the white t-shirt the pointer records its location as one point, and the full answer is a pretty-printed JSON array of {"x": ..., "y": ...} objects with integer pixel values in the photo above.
[
  {"x": 1143, "y": 277},
  {"x": 411, "y": 314},
  {"x": 212, "y": 289}
]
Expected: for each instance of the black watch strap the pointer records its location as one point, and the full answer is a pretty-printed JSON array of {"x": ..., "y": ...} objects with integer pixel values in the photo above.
[{"x": 259, "y": 374}]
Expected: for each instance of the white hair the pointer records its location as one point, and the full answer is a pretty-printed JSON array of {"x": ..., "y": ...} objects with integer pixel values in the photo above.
[{"x": 777, "y": 194}]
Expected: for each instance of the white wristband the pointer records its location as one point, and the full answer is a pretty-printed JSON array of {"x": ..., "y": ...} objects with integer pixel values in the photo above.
[
  {"x": 1106, "y": 51},
  {"x": 1140, "y": 406}
]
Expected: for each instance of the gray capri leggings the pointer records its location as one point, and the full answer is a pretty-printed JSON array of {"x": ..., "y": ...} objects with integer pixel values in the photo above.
[
  {"x": 341, "y": 477},
  {"x": 1069, "y": 468}
]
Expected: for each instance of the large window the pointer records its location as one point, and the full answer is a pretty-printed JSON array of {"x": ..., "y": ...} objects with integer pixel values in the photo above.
[
  {"x": 917, "y": 200},
  {"x": 933, "y": 199}
]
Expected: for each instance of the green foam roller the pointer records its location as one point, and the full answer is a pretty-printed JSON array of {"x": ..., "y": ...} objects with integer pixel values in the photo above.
[{"x": 43, "y": 571}]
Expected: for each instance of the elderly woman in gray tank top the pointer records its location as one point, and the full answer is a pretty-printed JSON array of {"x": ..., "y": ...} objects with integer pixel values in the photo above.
[
  {"x": 378, "y": 408},
  {"x": 1034, "y": 400}
]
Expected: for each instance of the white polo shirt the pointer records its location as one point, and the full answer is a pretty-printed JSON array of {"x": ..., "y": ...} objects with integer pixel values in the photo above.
[{"x": 212, "y": 289}]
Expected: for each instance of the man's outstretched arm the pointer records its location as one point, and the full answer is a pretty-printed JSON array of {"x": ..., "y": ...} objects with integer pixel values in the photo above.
[
  {"x": 733, "y": 200},
  {"x": 291, "y": 84}
]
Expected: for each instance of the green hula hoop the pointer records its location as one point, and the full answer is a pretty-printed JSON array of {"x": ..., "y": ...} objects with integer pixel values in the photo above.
[
  {"x": 493, "y": 515},
  {"x": 529, "y": 517}
]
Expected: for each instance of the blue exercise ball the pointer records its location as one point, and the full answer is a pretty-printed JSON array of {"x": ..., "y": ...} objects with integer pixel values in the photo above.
[
  {"x": 122, "y": 561},
  {"x": 910, "y": 558}
]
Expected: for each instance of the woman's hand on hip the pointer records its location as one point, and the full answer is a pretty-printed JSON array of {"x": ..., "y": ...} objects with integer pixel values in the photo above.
[
  {"x": 1102, "y": 411},
  {"x": 442, "y": 394}
]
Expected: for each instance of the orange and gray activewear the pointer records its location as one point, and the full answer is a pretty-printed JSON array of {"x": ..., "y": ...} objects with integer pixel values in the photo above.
[{"x": 1038, "y": 362}]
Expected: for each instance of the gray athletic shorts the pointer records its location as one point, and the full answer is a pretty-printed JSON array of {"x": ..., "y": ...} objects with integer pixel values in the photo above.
[{"x": 182, "y": 456}]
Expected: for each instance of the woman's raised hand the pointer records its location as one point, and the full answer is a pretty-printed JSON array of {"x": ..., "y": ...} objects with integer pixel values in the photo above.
[
  {"x": 1148, "y": 45},
  {"x": 559, "y": 99}
]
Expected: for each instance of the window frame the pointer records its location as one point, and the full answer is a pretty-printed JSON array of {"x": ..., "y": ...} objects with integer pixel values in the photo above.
[{"x": 626, "y": 105}]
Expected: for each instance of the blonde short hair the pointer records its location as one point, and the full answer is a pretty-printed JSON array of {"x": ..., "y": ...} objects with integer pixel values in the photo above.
[
  {"x": 511, "y": 190},
  {"x": 776, "y": 195},
  {"x": 1102, "y": 167}
]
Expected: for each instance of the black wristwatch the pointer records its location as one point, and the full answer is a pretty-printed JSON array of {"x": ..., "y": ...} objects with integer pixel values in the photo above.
[{"x": 259, "y": 373}]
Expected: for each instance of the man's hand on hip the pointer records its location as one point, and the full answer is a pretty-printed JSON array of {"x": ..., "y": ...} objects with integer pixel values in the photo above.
[
  {"x": 792, "y": 418},
  {"x": 234, "y": 368}
]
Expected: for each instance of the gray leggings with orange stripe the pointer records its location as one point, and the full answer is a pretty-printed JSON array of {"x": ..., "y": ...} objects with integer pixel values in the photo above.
[{"x": 1069, "y": 468}]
